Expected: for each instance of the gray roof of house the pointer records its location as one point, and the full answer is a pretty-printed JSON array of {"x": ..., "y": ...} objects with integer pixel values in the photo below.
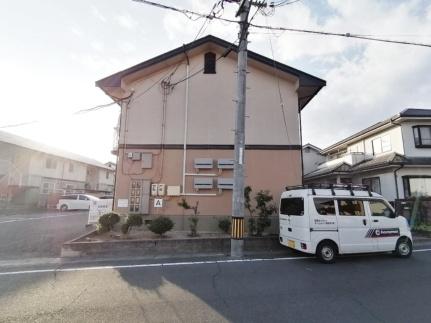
[
  {"x": 407, "y": 113},
  {"x": 309, "y": 85},
  {"x": 379, "y": 161},
  {"x": 338, "y": 168},
  {"x": 12, "y": 139}
]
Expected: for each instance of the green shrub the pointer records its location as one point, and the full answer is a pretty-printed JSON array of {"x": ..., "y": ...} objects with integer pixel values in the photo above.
[
  {"x": 224, "y": 225},
  {"x": 107, "y": 222},
  {"x": 161, "y": 225},
  {"x": 134, "y": 220},
  {"x": 125, "y": 227}
]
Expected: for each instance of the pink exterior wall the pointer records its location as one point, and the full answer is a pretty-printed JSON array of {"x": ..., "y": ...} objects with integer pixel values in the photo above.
[{"x": 265, "y": 170}]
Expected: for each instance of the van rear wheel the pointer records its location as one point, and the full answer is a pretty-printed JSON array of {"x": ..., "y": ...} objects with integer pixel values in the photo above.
[
  {"x": 326, "y": 252},
  {"x": 63, "y": 208}
]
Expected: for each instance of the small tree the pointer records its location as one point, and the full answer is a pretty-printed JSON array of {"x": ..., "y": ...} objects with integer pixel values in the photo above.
[
  {"x": 133, "y": 220},
  {"x": 193, "y": 220},
  {"x": 265, "y": 208},
  {"x": 107, "y": 222},
  {"x": 252, "y": 228},
  {"x": 161, "y": 225}
]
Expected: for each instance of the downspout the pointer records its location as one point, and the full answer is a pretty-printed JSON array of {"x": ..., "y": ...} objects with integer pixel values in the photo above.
[
  {"x": 396, "y": 180},
  {"x": 186, "y": 108},
  {"x": 300, "y": 139}
]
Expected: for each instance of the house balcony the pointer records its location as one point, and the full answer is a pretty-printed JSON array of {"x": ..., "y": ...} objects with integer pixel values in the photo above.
[{"x": 350, "y": 158}]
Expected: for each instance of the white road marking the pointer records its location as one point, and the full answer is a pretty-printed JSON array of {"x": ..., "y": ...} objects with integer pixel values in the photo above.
[
  {"x": 169, "y": 264},
  {"x": 39, "y": 218}
]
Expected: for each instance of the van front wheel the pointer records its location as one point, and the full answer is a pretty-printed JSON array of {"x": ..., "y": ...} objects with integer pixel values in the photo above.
[
  {"x": 326, "y": 252},
  {"x": 404, "y": 248}
]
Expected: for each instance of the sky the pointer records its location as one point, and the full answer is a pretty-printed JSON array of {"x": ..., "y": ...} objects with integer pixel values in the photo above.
[{"x": 53, "y": 51}]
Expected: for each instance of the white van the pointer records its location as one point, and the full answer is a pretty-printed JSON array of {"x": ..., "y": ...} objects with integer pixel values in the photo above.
[
  {"x": 328, "y": 220},
  {"x": 76, "y": 202}
]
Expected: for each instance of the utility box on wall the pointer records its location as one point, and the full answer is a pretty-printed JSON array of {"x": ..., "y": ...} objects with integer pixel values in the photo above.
[
  {"x": 225, "y": 163},
  {"x": 225, "y": 183},
  {"x": 203, "y": 183},
  {"x": 174, "y": 191},
  {"x": 147, "y": 160},
  {"x": 203, "y": 163}
]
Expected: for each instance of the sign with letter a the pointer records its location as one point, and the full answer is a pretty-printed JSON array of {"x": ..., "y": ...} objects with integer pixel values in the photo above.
[{"x": 158, "y": 202}]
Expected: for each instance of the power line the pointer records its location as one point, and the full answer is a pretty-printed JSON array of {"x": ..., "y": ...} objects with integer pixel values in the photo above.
[
  {"x": 308, "y": 31},
  {"x": 78, "y": 112}
]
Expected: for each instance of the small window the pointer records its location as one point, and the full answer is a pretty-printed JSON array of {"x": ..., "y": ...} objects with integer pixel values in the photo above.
[
  {"x": 51, "y": 163},
  {"x": 107, "y": 175},
  {"x": 373, "y": 184},
  {"x": 292, "y": 206},
  {"x": 325, "y": 206},
  {"x": 377, "y": 146},
  {"x": 379, "y": 208},
  {"x": 351, "y": 207},
  {"x": 210, "y": 63},
  {"x": 422, "y": 136},
  {"x": 47, "y": 188},
  {"x": 70, "y": 167}
]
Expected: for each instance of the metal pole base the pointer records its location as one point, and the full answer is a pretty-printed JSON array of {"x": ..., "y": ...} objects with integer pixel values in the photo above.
[{"x": 236, "y": 248}]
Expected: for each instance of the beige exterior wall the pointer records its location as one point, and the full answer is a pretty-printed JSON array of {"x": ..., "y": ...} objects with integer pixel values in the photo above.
[
  {"x": 211, "y": 114},
  {"x": 211, "y": 107}
]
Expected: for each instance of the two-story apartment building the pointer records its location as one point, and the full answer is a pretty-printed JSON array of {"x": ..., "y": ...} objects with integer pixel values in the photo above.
[
  {"x": 393, "y": 157},
  {"x": 31, "y": 172},
  {"x": 176, "y": 129}
]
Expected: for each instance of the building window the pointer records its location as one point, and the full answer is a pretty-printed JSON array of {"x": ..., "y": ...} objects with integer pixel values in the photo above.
[
  {"x": 51, "y": 163},
  {"x": 70, "y": 168},
  {"x": 373, "y": 184},
  {"x": 417, "y": 186},
  {"x": 422, "y": 135},
  {"x": 135, "y": 196},
  {"x": 210, "y": 63},
  {"x": 381, "y": 145},
  {"x": 47, "y": 188},
  {"x": 107, "y": 175}
]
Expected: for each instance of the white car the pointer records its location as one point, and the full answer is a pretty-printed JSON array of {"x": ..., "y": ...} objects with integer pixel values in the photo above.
[
  {"x": 331, "y": 220},
  {"x": 76, "y": 202}
]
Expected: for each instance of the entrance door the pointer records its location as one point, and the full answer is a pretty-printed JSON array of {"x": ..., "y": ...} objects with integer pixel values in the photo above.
[
  {"x": 384, "y": 225},
  {"x": 353, "y": 227}
]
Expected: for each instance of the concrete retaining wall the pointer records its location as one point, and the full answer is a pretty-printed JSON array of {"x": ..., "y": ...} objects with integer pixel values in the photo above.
[{"x": 165, "y": 247}]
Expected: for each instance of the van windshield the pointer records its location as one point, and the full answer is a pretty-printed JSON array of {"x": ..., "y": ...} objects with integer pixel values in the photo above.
[{"x": 292, "y": 206}]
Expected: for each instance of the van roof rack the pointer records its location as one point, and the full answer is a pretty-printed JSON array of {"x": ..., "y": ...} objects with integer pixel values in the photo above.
[{"x": 348, "y": 187}]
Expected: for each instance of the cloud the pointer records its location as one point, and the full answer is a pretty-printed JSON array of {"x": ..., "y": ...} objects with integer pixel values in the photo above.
[
  {"x": 386, "y": 78},
  {"x": 126, "y": 21},
  {"x": 96, "y": 13}
]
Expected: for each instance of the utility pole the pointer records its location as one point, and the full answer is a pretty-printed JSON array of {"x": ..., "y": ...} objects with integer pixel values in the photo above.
[{"x": 237, "y": 236}]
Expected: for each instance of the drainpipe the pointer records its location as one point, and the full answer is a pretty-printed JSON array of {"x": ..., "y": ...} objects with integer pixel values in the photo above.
[
  {"x": 186, "y": 108},
  {"x": 396, "y": 180}
]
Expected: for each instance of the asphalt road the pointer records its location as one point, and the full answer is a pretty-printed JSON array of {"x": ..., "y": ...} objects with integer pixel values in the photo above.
[
  {"x": 377, "y": 288},
  {"x": 38, "y": 235}
]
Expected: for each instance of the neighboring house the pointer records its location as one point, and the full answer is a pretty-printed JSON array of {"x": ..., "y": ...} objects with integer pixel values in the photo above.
[
  {"x": 31, "y": 173},
  {"x": 393, "y": 157},
  {"x": 176, "y": 129},
  {"x": 312, "y": 158}
]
